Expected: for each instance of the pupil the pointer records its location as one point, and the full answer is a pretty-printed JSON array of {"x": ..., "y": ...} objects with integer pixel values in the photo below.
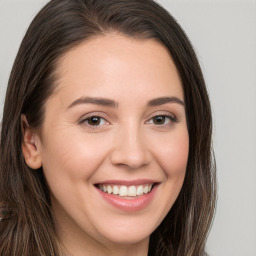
[
  {"x": 94, "y": 120},
  {"x": 159, "y": 119}
]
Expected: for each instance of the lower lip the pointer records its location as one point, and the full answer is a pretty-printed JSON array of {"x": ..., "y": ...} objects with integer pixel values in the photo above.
[{"x": 129, "y": 205}]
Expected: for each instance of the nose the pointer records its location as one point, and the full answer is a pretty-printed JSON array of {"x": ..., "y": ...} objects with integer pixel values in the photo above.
[{"x": 130, "y": 149}]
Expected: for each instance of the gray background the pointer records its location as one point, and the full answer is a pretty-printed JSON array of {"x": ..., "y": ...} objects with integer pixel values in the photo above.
[{"x": 223, "y": 33}]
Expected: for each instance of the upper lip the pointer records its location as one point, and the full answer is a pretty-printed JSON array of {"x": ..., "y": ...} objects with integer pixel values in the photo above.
[{"x": 128, "y": 182}]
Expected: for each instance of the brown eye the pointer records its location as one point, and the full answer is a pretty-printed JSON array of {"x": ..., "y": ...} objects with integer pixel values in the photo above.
[
  {"x": 159, "y": 120},
  {"x": 94, "y": 120},
  {"x": 162, "y": 120}
]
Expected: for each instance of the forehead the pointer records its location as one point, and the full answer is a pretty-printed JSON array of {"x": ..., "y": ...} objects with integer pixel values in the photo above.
[{"x": 114, "y": 63}]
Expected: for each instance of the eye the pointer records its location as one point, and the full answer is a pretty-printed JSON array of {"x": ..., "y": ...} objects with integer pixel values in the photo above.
[
  {"x": 94, "y": 121},
  {"x": 162, "y": 120}
]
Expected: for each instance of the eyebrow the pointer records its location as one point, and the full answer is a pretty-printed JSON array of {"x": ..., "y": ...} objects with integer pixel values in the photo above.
[
  {"x": 164, "y": 100},
  {"x": 111, "y": 103},
  {"x": 97, "y": 101}
]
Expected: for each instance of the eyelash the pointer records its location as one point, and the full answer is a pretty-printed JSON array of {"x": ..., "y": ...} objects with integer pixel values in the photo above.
[
  {"x": 172, "y": 119},
  {"x": 91, "y": 117}
]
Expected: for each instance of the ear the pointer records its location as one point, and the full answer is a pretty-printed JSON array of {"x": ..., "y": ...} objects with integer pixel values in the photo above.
[{"x": 29, "y": 145}]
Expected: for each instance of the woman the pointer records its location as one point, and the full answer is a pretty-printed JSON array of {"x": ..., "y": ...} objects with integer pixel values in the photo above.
[{"x": 106, "y": 135}]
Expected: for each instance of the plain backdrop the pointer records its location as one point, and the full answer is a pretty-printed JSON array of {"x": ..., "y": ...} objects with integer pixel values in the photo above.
[{"x": 223, "y": 33}]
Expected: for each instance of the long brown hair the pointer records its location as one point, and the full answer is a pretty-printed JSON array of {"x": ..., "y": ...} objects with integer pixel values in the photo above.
[{"x": 27, "y": 228}]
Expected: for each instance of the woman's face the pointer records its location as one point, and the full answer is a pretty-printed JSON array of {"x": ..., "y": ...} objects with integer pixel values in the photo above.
[{"x": 116, "y": 123}]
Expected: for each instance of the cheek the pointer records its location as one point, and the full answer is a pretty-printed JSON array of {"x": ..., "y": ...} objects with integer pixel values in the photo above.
[
  {"x": 173, "y": 153},
  {"x": 72, "y": 156}
]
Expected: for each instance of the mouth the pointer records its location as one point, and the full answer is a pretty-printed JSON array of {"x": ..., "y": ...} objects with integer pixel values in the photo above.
[
  {"x": 131, "y": 191},
  {"x": 128, "y": 196}
]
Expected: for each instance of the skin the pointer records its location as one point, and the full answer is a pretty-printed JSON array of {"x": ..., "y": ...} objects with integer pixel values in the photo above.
[{"x": 127, "y": 144}]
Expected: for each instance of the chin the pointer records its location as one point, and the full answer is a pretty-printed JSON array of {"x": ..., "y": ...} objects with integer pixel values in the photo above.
[{"x": 126, "y": 237}]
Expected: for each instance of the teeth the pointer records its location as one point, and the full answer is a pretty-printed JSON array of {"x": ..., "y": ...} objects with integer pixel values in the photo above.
[
  {"x": 109, "y": 190},
  {"x": 122, "y": 190},
  {"x": 139, "y": 190},
  {"x": 132, "y": 191},
  {"x": 145, "y": 190},
  {"x": 115, "y": 190}
]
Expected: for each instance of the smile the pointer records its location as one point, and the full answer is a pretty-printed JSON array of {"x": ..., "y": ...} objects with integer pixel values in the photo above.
[
  {"x": 128, "y": 196},
  {"x": 123, "y": 191}
]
